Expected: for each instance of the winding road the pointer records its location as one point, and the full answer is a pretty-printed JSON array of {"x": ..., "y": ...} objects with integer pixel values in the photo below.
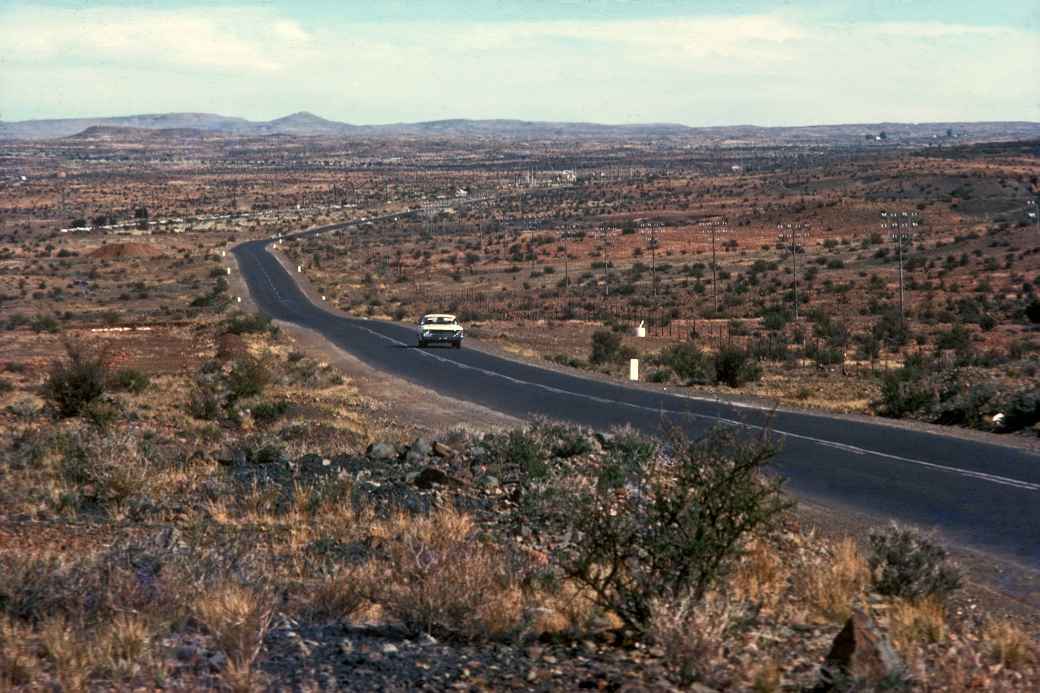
[{"x": 981, "y": 495}]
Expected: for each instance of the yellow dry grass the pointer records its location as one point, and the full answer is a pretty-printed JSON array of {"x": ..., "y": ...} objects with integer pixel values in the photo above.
[
  {"x": 1009, "y": 645},
  {"x": 238, "y": 618},
  {"x": 831, "y": 587}
]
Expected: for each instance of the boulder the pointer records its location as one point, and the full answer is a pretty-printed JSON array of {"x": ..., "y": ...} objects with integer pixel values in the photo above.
[{"x": 860, "y": 653}]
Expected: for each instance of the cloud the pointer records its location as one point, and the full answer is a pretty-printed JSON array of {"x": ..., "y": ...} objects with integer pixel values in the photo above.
[
  {"x": 767, "y": 68},
  {"x": 225, "y": 39}
]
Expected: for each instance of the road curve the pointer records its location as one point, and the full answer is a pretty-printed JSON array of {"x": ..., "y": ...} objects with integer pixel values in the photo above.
[{"x": 977, "y": 494}]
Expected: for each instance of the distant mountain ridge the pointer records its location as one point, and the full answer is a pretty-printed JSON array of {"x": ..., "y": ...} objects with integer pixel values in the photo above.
[{"x": 304, "y": 123}]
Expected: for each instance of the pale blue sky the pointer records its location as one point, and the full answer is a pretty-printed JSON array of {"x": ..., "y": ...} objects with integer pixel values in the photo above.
[{"x": 699, "y": 63}]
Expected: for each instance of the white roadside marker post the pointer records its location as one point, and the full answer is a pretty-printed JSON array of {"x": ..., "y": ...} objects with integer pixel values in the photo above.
[{"x": 633, "y": 369}]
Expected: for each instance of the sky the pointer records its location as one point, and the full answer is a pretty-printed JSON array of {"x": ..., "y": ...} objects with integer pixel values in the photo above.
[{"x": 700, "y": 63}]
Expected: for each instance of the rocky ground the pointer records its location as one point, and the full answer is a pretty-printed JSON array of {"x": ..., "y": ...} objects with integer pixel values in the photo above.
[{"x": 327, "y": 545}]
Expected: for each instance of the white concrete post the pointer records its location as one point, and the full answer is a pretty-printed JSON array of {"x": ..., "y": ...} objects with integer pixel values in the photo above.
[
  {"x": 633, "y": 369},
  {"x": 299, "y": 268},
  {"x": 229, "y": 270},
  {"x": 239, "y": 298},
  {"x": 641, "y": 330}
]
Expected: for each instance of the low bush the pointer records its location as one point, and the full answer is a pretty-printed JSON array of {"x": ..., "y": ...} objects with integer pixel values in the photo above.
[
  {"x": 520, "y": 448},
  {"x": 661, "y": 375},
  {"x": 1022, "y": 411},
  {"x": 647, "y": 528},
  {"x": 250, "y": 323},
  {"x": 76, "y": 382},
  {"x": 266, "y": 413},
  {"x": 130, "y": 380},
  {"x": 904, "y": 392},
  {"x": 248, "y": 378},
  {"x": 206, "y": 401},
  {"x": 735, "y": 367},
  {"x": 606, "y": 348},
  {"x": 908, "y": 564},
  {"x": 689, "y": 363}
]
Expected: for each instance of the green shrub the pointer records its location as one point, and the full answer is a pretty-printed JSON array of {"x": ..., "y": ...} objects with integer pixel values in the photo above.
[
  {"x": 689, "y": 363},
  {"x": 650, "y": 527},
  {"x": 963, "y": 404},
  {"x": 903, "y": 392},
  {"x": 606, "y": 347},
  {"x": 243, "y": 323},
  {"x": 266, "y": 413},
  {"x": 522, "y": 449},
  {"x": 6, "y": 386},
  {"x": 73, "y": 384},
  {"x": 661, "y": 375},
  {"x": 908, "y": 564},
  {"x": 130, "y": 380},
  {"x": 735, "y": 367},
  {"x": 248, "y": 378},
  {"x": 45, "y": 323},
  {"x": 1022, "y": 411},
  {"x": 205, "y": 402}
]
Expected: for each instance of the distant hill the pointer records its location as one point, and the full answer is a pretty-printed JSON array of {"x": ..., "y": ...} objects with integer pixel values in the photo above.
[{"x": 307, "y": 124}]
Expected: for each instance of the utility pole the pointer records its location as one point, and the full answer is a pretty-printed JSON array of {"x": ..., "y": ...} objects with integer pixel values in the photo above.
[
  {"x": 714, "y": 226},
  {"x": 653, "y": 261},
  {"x": 605, "y": 234},
  {"x": 902, "y": 227},
  {"x": 1033, "y": 212},
  {"x": 566, "y": 265},
  {"x": 789, "y": 235}
]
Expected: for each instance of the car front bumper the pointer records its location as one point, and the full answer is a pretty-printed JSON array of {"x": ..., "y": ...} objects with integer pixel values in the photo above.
[{"x": 433, "y": 337}]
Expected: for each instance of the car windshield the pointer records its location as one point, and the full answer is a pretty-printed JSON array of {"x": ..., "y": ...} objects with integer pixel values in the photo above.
[{"x": 438, "y": 320}]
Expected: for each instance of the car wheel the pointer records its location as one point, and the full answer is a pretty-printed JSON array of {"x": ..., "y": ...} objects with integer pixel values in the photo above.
[
  {"x": 457, "y": 345},
  {"x": 421, "y": 344}
]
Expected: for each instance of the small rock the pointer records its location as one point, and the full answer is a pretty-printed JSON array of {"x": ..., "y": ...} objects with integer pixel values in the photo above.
[
  {"x": 861, "y": 652},
  {"x": 186, "y": 652},
  {"x": 414, "y": 457},
  {"x": 217, "y": 661},
  {"x": 346, "y": 646},
  {"x": 427, "y": 639},
  {"x": 422, "y": 447},
  {"x": 442, "y": 450},
  {"x": 381, "y": 451},
  {"x": 430, "y": 477},
  {"x": 488, "y": 482},
  {"x": 390, "y": 649}
]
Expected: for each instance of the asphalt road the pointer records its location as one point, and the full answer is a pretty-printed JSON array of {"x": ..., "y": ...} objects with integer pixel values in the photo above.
[{"x": 977, "y": 494}]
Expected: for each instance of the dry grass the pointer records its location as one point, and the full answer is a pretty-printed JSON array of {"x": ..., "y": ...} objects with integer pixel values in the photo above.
[
  {"x": 334, "y": 597},
  {"x": 917, "y": 623},
  {"x": 1009, "y": 645},
  {"x": 831, "y": 587},
  {"x": 762, "y": 576},
  {"x": 238, "y": 618},
  {"x": 438, "y": 577},
  {"x": 692, "y": 634}
]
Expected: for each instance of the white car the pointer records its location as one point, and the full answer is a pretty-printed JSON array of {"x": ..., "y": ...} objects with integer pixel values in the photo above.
[{"x": 439, "y": 328}]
